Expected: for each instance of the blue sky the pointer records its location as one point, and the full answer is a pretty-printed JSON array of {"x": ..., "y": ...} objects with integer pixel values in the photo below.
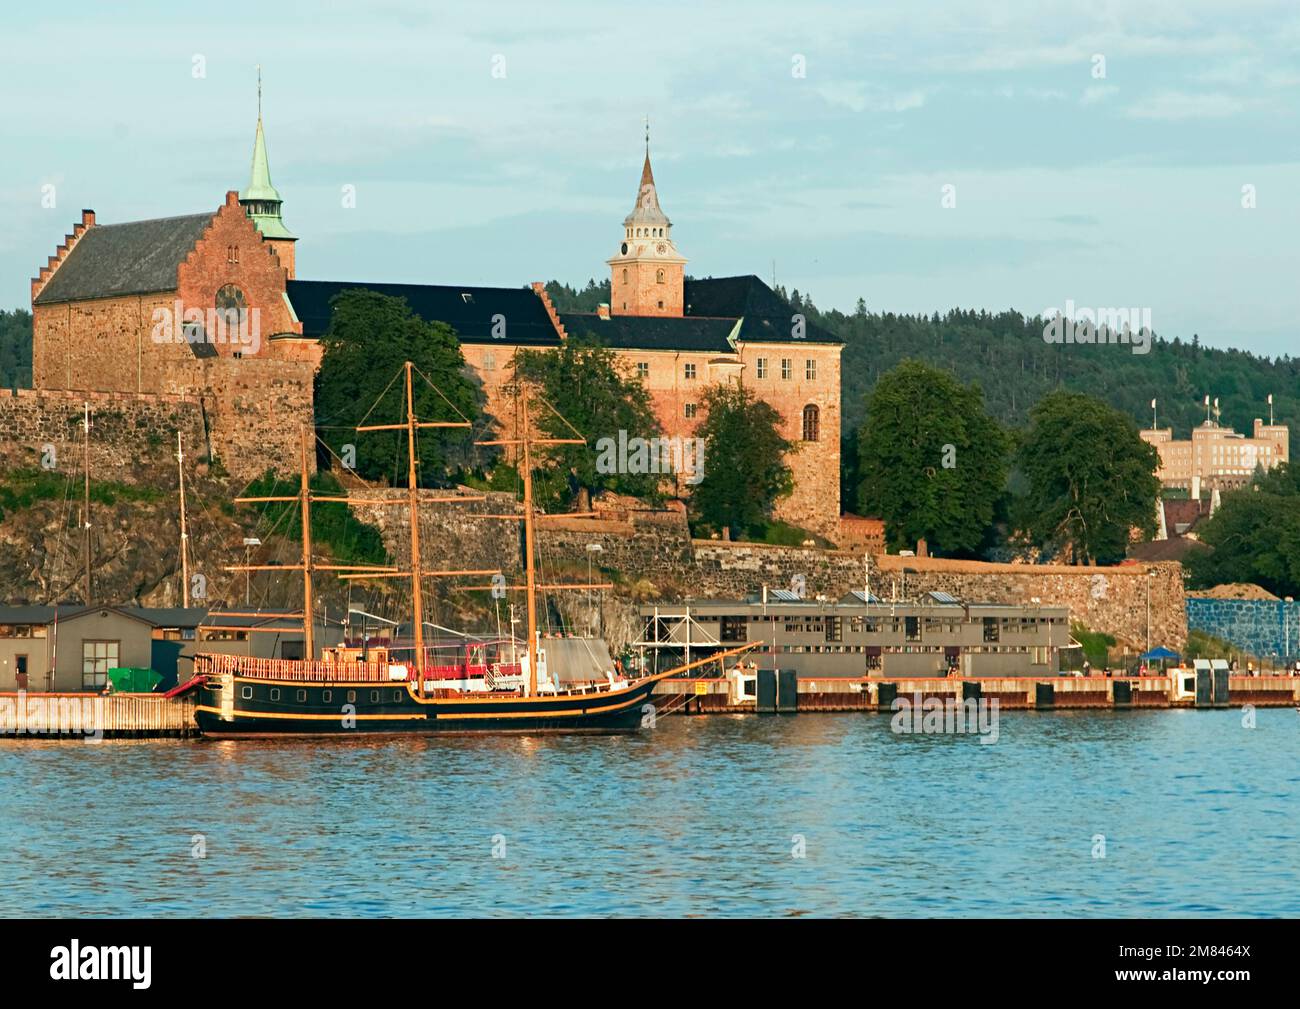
[{"x": 1122, "y": 190}]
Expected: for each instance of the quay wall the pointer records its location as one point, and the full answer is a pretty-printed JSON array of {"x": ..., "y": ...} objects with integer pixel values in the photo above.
[{"x": 1260, "y": 627}]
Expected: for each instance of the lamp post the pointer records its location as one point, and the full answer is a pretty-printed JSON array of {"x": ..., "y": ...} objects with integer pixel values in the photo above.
[
  {"x": 249, "y": 543},
  {"x": 1150, "y": 576},
  {"x": 592, "y": 549}
]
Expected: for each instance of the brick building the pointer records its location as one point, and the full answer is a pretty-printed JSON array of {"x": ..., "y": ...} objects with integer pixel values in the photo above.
[
  {"x": 208, "y": 306},
  {"x": 1217, "y": 457}
]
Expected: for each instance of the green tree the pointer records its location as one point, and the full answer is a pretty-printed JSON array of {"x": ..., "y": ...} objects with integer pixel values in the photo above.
[
  {"x": 1254, "y": 536},
  {"x": 932, "y": 463},
  {"x": 1090, "y": 479},
  {"x": 369, "y": 339},
  {"x": 581, "y": 390},
  {"x": 744, "y": 460}
]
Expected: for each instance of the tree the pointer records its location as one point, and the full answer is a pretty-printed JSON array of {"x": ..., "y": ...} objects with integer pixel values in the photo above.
[
  {"x": 369, "y": 339},
  {"x": 582, "y": 383},
  {"x": 1254, "y": 536},
  {"x": 744, "y": 460},
  {"x": 932, "y": 462},
  {"x": 1090, "y": 479}
]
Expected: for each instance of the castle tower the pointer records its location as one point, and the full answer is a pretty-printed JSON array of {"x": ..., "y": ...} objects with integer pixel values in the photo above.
[
  {"x": 262, "y": 201},
  {"x": 646, "y": 277}
]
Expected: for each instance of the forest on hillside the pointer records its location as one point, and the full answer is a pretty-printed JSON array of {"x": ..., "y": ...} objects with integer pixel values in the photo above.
[
  {"x": 1005, "y": 353},
  {"x": 15, "y": 349}
]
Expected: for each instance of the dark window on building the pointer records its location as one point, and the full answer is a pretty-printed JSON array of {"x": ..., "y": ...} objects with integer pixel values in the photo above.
[
  {"x": 912, "y": 628},
  {"x": 811, "y": 423},
  {"x": 991, "y": 627},
  {"x": 834, "y": 630},
  {"x": 734, "y": 629}
]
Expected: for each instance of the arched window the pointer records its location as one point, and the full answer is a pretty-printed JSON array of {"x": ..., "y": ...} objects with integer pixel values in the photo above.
[
  {"x": 811, "y": 422},
  {"x": 625, "y": 275},
  {"x": 659, "y": 276}
]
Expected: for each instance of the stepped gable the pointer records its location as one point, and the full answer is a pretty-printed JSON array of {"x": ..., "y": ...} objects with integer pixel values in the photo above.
[{"x": 111, "y": 260}]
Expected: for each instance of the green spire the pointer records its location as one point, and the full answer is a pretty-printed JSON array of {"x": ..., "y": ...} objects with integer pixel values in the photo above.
[{"x": 261, "y": 199}]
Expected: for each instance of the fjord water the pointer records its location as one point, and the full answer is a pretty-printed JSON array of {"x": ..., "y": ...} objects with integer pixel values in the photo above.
[{"x": 702, "y": 816}]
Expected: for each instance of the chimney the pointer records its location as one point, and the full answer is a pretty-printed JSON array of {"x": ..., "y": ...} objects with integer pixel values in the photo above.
[{"x": 88, "y": 218}]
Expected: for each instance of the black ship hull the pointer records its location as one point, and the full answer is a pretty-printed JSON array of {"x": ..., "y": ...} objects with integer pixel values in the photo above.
[{"x": 259, "y": 708}]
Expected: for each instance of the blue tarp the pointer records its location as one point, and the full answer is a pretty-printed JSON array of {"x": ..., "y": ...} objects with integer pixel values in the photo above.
[{"x": 1160, "y": 652}]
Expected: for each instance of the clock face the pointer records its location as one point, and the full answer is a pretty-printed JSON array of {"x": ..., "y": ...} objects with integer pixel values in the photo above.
[{"x": 662, "y": 248}]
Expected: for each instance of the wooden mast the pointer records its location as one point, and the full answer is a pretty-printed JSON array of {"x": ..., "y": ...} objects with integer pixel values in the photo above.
[
  {"x": 529, "y": 561},
  {"x": 413, "y": 497},
  {"x": 85, "y": 505},
  {"x": 185, "y": 555},
  {"x": 308, "y": 622}
]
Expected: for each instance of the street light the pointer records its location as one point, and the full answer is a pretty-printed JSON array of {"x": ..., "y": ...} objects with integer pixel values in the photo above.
[{"x": 592, "y": 548}]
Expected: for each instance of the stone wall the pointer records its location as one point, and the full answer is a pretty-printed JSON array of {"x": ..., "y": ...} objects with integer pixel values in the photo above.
[
  {"x": 129, "y": 436},
  {"x": 1261, "y": 627},
  {"x": 655, "y": 547}
]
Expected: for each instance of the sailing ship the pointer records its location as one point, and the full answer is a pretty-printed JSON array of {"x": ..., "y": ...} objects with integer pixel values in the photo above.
[{"x": 487, "y": 686}]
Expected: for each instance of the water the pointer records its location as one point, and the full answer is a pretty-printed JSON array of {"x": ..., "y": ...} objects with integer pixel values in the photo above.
[{"x": 698, "y": 817}]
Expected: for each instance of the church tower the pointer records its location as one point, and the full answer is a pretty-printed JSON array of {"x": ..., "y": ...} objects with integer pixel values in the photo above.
[
  {"x": 262, "y": 201},
  {"x": 646, "y": 276}
]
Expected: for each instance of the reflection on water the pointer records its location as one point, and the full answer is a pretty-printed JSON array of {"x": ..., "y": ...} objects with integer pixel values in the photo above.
[{"x": 702, "y": 816}]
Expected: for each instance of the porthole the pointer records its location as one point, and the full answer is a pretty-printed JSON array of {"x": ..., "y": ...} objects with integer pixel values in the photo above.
[
  {"x": 275, "y": 693},
  {"x": 246, "y": 693},
  {"x": 326, "y": 696}
]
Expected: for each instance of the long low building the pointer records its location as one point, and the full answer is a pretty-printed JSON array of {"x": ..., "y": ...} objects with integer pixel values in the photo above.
[
  {"x": 937, "y": 635},
  {"x": 72, "y": 648}
]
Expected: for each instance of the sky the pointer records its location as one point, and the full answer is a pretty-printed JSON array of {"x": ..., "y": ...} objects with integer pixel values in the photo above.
[{"x": 920, "y": 156}]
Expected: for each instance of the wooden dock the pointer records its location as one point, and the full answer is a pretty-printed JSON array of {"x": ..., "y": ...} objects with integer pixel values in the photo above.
[{"x": 39, "y": 715}]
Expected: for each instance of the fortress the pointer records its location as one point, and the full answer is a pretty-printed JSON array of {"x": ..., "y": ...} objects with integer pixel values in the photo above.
[{"x": 207, "y": 309}]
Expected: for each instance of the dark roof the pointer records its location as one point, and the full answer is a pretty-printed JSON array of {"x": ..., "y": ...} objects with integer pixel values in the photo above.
[
  {"x": 1182, "y": 512},
  {"x": 648, "y": 332},
  {"x": 66, "y": 611},
  {"x": 115, "y": 259},
  {"x": 468, "y": 310},
  {"x": 1176, "y": 548},
  {"x": 767, "y": 317}
]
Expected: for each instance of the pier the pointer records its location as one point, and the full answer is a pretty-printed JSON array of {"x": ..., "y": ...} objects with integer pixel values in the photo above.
[{"x": 125, "y": 716}]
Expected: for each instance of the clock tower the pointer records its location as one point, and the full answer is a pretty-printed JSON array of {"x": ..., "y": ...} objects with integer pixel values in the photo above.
[{"x": 646, "y": 275}]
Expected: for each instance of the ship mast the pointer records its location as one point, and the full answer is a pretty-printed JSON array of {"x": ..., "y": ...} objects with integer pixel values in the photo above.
[
  {"x": 308, "y": 628},
  {"x": 413, "y": 497},
  {"x": 530, "y": 565},
  {"x": 185, "y": 555}
]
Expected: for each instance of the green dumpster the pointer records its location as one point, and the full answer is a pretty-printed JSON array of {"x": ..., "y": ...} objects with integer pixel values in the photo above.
[{"x": 132, "y": 680}]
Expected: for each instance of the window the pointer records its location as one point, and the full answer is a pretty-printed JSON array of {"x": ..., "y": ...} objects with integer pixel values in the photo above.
[
  {"x": 232, "y": 253},
  {"x": 912, "y": 628},
  {"x": 834, "y": 629},
  {"x": 97, "y": 658},
  {"x": 762, "y": 367},
  {"x": 642, "y": 369},
  {"x": 690, "y": 371},
  {"x": 374, "y": 697},
  {"x": 302, "y": 696},
  {"x": 489, "y": 361},
  {"x": 810, "y": 369},
  {"x": 991, "y": 629},
  {"x": 625, "y": 279},
  {"x": 275, "y": 693},
  {"x": 326, "y": 696},
  {"x": 352, "y": 697},
  {"x": 659, "y": 279},
  {"x": 787, "y": 368},
  {"x": 811, "y": 422},
  {"x": 397, "y": 695},
  {"x": 690, "y": 410},
  {"x": 734, "y": 629},
  {"x": 246, "y": 693}
]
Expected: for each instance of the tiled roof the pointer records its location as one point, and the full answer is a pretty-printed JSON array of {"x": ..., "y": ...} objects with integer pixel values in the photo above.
[
  {"x": 468, "y": 310},
  {"x": 139, "y": 257}
]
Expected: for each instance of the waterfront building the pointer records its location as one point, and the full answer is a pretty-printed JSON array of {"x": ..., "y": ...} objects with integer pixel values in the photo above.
[{"x": 937, "y": 635}]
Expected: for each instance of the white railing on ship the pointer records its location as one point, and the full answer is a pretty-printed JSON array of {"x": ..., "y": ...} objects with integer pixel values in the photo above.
[{"x": 290, "y": 669}]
